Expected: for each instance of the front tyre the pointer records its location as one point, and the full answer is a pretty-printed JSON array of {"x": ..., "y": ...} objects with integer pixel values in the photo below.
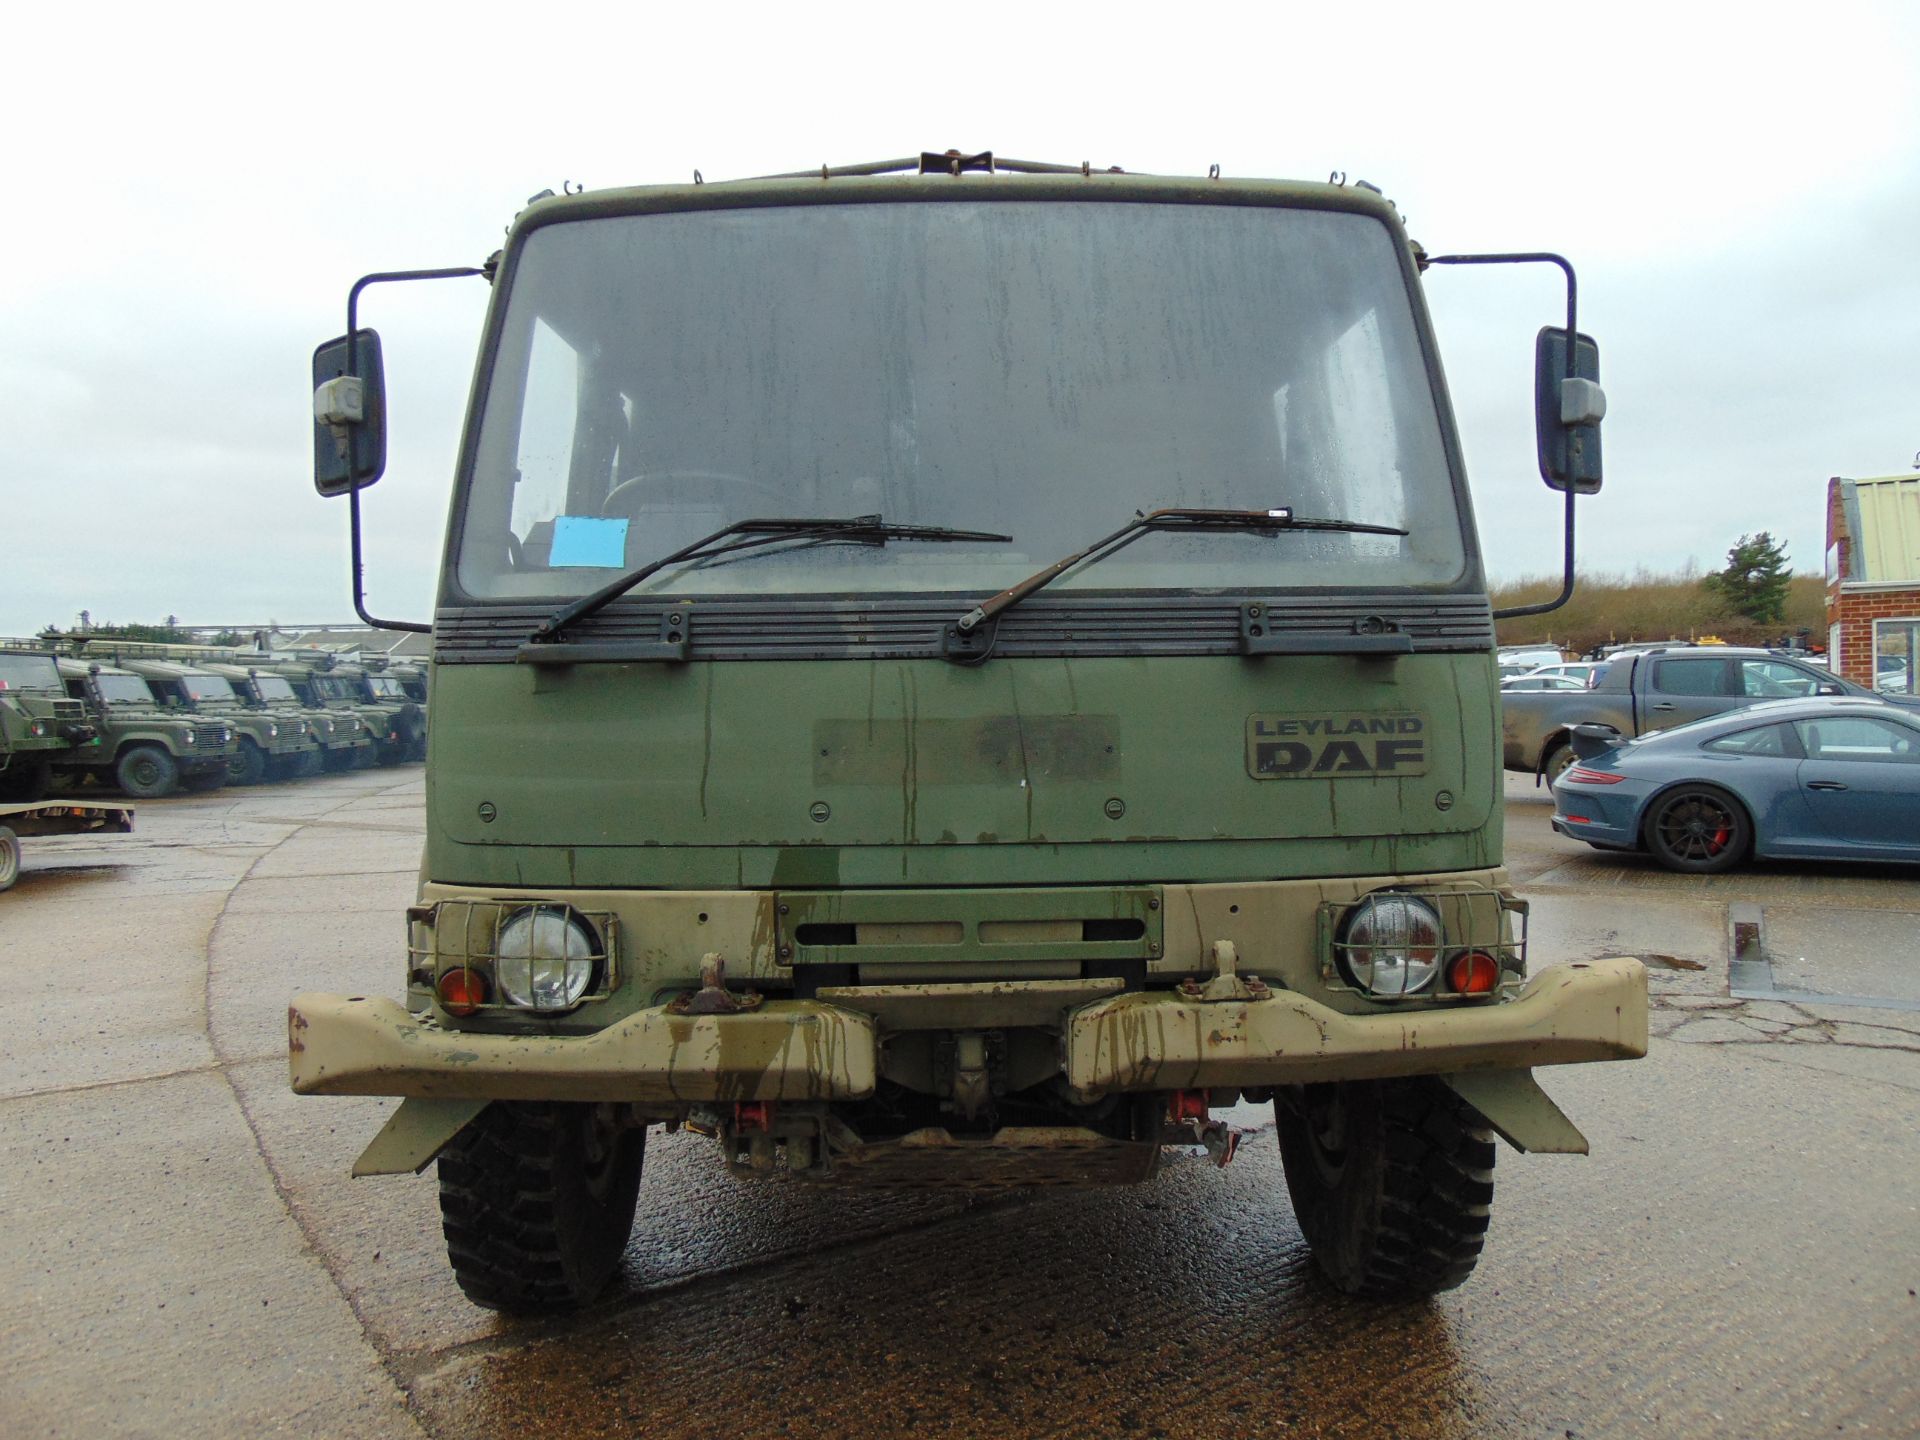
[
  {"x": 146, "y": 772},
  {"x": 1391, "y": 1180},
  {"x": 537, "y": 1202},
  {"x": 9, "y": 858},
  {"x": 247, "y": 765}
]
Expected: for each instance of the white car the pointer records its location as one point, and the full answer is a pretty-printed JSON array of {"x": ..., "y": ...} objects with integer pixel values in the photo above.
[
  {"x": 1531, "y": 656},
  {"x": 1540, "y": 680},
  {"x": 1580, "y": 671}
]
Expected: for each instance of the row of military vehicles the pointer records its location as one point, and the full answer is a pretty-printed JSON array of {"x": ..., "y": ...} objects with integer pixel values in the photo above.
[{"x": 152, "y": 720}]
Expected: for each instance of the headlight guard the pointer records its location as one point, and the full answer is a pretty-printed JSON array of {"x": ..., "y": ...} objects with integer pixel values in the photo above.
[{"x": 1398, "y": 944}]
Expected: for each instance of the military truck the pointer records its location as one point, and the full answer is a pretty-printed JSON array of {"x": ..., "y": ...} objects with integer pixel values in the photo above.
[
  {"x": 335, "y": 738},
  {"x": 951, "y": 672},
  {"x": 144, "y": 749},
  {"x": 38, "y": 723},
  {"x": 391, "y": 720},
  {"x": 265, "y": 745}
]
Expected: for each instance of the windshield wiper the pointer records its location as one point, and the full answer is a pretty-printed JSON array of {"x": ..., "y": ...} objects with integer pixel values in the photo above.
[
  {"x": 1276, "y": 521},
  {"x": 752, "y": 535}
]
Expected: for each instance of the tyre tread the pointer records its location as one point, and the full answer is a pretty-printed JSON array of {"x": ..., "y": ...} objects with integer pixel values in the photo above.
[{"x": 508, "y": 1238}]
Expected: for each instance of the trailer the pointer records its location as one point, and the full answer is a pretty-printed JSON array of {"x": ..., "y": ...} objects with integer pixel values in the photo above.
[{"x": 49, "y": 817}]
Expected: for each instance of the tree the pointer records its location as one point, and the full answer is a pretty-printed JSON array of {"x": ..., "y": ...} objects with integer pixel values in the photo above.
[{"x": 1755, "y": 579}]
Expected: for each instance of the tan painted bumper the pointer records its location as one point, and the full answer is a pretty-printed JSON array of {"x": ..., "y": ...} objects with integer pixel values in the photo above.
[
  {"x": 786, "y": 1050},
  {"x": 804, "y": 1050},
  {"x": 1593, "y": 1010}
]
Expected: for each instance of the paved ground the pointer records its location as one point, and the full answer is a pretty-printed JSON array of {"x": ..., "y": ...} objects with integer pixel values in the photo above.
[{"x": 183, "y": 1253}]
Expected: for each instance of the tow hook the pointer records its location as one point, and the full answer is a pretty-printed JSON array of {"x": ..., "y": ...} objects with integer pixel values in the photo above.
[
  {"x": 1227, "y": 983},
  {"x": 1187, "y": 1111},
  {"x": 713, "y": 997}
]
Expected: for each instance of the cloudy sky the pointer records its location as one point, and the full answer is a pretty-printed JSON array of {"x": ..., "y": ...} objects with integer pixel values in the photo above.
[{"x": 192, "y": 188}]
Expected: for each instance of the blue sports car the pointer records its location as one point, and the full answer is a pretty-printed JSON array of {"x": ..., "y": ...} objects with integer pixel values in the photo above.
[{"x": 1816, "y": 779}]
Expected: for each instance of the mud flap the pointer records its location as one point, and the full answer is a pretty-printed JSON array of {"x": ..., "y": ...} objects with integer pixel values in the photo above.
[
  {"x": 415, "y": 1134},
  {"x": 1519, "y": 1111}
]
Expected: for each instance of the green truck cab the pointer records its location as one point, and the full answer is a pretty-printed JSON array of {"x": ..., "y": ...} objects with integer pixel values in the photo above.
[
  {"x": 340, "y": 688},
  {"x": 266, "y": 745},
  {"x": 334, "y": 739},
  {"x": 38, "y": 723},
  {"x": 145, "y": 749},
  {"x": 954, "y": 678}
]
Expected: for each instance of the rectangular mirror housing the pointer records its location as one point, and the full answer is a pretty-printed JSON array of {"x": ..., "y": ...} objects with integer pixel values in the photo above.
[
  {"x": 349, "y": 415},
  {"x": 1567, "y": 411}
]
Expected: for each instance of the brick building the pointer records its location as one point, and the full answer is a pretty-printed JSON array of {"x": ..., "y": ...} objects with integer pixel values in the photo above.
[{"x": 1873, "y": 581}]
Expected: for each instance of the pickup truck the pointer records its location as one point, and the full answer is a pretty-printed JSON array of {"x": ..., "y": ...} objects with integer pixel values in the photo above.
[{"x": 1655, "y": 690}]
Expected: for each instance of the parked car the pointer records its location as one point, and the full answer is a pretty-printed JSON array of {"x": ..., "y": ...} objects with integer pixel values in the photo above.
[
  {"x": 1531, "y": 656},
  {"x": 1657, "y": 689},
  {"x": 1582, "y": 671},
  {"x": 1539, "y": 680},
  {"x": 1828, "y": 778}
]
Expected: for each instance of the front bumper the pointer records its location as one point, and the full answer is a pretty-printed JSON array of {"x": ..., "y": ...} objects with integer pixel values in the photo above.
[{"x": 806, "y": 1050}]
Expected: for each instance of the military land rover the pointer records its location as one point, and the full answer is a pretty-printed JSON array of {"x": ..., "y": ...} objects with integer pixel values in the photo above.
[
  {"x": 145, "y": 749},
  {"x": 38, "y": 723},
  {"x": 336, "y": 737},
  {"x": 953, "y": 677},
  {"x": 266, "y": 745},
  {"x": 392, "y": 721}
]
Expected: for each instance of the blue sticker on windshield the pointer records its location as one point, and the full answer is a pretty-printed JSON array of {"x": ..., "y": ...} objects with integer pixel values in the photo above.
[{"x": 590, "y": 542}]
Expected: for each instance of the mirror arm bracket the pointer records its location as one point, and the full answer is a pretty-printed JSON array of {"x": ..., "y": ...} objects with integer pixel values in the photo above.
[
  {"x": 1566, "y": 578},
  {"x": 1538, "y": 257},
  {"x": 453, "y": 272}
]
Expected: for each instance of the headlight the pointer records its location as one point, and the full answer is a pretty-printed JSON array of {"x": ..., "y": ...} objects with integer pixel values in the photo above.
[
  {"x": 39, "y": 728},
  {"x": 189, "y": 737},
  {"x": 1389, "y": 944},
  {"x": 544, "y": 958},
  {"x": 273, "y": 732}
]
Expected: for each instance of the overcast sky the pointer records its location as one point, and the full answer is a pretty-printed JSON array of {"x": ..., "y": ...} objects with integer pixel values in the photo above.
[{"x": 192, "y": 189}]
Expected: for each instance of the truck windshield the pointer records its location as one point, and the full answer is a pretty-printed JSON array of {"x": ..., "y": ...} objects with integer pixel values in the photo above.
[
  {"x": 28, "y": 672},
  {"x": 207, "y": 687},
  {"x": 273, "y": 687},
  {"x": 1035, "y": 368},
  {"x": 385, "y": 687}
]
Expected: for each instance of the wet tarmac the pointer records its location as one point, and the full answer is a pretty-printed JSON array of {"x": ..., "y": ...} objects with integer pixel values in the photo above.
[{"x": 184, "y": 1253}]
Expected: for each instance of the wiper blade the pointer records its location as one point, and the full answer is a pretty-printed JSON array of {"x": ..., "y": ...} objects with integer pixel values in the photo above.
[
  {"x": 753, "y": 535},
  {"x": 1275, "y": 521}
]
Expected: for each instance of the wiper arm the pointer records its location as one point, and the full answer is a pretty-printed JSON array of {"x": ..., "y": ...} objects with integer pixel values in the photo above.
[
  {"x": 752, "y": 535},
  {"x": 1258, "y": 522}
]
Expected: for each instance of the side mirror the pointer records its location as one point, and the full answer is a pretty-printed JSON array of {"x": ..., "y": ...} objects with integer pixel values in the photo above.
[
  {"x": 1567, "y": 411},
  {"x": 349, "y": 415}
]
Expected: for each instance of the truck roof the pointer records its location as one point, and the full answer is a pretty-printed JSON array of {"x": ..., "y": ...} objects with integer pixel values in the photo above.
[{"x": 903, "y": 181}]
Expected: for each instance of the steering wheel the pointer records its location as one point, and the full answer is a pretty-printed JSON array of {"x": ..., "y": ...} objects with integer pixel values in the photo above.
[{"x": 630, "y": 496}]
